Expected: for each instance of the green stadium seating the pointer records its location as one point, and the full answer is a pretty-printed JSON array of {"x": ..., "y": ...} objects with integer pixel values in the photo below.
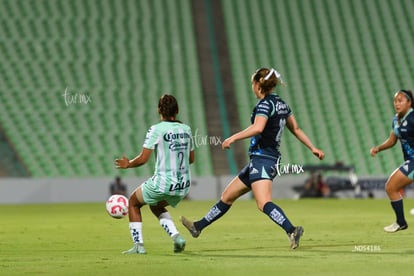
[
  {"x": 342, "y": 61},
  {"x": 122, "y": 55}
]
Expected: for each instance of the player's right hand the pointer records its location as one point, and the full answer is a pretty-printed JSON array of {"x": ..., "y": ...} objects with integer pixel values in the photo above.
[{"x": 122, "y": 163}]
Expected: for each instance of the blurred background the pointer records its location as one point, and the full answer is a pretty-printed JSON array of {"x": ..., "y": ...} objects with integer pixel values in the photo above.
[{"x": 80, "y": 82}]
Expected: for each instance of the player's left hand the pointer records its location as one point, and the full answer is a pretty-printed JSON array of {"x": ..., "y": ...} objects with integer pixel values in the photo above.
[
  {"x": 374, "y": 151},
  {"x": 122, "y": 163},
  {"x": 226, "y": 144},
  {"x": 318, "y": 153}
]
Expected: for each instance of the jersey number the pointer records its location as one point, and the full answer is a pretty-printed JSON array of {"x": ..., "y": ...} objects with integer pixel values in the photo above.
[{"x": 181, "y": 159}]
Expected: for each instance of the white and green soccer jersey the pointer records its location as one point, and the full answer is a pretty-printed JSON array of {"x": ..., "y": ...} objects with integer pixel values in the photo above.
[{"x": 172, "y": 142}]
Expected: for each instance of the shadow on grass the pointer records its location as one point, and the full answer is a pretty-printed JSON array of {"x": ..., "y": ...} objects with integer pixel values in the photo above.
[
  {"x": 248, "y": 252},
  {"x": 304, "y": 252}
]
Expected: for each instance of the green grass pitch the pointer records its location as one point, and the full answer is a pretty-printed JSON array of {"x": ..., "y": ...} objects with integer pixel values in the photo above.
[{"x": 342, "y": 237}]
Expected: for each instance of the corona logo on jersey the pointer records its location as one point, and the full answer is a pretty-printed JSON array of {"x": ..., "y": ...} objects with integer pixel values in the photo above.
[
  {"x": 174, "y": 140},
  {"x": 170, "y": 137}
]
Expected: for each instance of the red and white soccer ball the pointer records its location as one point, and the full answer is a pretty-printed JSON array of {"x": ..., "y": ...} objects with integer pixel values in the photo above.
[{"x": 117, "y": 206}]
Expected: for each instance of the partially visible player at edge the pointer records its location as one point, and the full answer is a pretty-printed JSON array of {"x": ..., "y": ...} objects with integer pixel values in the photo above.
[
  {"x": 172, "y": 142},
  {"x": 403, "y": 130},
  {"x": 268, "y": 120}
]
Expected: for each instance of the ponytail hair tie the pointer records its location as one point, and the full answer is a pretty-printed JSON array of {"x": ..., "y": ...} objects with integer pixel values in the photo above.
[{"x": 277, "y": 74}]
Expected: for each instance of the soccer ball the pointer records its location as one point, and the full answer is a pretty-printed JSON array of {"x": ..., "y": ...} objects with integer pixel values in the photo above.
[{"x": 117, "y": 206}]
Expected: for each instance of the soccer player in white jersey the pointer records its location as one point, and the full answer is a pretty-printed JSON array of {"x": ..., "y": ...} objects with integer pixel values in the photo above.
[{"x": 174, "y": 149}]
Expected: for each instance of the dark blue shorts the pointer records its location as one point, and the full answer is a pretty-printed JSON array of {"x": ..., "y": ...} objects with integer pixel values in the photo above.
[
  {"x": 407, "y": 168},
  {"x": 257, "y": 169}
]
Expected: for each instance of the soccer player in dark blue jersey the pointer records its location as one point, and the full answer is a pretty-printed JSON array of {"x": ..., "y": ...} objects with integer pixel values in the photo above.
[
  {"x": 403, "y": 130},
  {"x": 270, "y": 115}
]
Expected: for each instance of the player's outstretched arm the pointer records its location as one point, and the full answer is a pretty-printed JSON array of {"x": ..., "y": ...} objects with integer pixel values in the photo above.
[
  {"x": 252, "y": 130},
  {"x": 389, "y": 143},
  {"x": 141, "y": 159},
  {"x": 301, "y": 136}
]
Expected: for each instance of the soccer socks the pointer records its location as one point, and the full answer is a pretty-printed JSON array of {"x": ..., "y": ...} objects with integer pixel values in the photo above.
[
  {"x": 398, "y": 207},
  {"x": 167, "y": 224},
  {"x": 276, "y": 214},
  {"x": 136, "y": 232},
  {"x": 217, "y": 211}
]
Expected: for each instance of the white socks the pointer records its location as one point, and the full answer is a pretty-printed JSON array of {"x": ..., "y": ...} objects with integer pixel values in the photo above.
[
  {"x": 136, "y": 232},
  {"x": 168, "y": 224}
]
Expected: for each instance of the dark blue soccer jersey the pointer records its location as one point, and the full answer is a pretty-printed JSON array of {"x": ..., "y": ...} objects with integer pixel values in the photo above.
[
  {"x": 404, "y": 130},
  {"x": 276, "y": 111}
]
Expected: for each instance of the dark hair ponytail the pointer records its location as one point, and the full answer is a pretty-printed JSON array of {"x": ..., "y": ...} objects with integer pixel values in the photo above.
[
  {"x": 168, "y": 107},
  {"x": 267, "y": 79}
]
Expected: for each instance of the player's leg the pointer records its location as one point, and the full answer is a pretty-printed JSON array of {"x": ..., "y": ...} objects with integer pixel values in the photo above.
[
  {"x": 398, "y": 180},
  {"x": 233, "y": 191},
  {"x": 262, "y": 191},
  {"x": 168, "y": 225},
  {"x": 136, "y": 201}
]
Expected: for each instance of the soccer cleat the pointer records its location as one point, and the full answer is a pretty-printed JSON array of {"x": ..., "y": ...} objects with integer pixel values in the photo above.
[
  {"x": 138, "y": 248},
  {"x": 395, "y": 227},
  {"x": 179, "y": 243},
  {"x": 294, "y": 237},
  {"x": 190, "y": 227}
]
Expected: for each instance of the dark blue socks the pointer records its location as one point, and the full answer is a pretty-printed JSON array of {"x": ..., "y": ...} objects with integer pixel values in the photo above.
[
  {"x": 276, "y": 214},
  {"x": 398, "y": 207},
  {"x": 214, "y": 214}
]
